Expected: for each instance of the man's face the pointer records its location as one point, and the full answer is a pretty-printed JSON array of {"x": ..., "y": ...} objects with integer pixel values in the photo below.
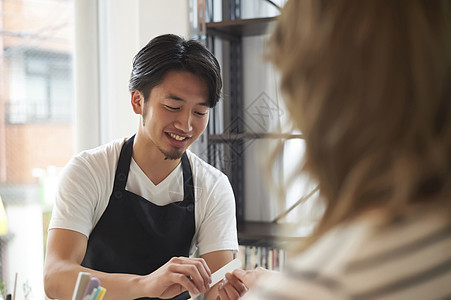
[{"x": 176, "y": 113}]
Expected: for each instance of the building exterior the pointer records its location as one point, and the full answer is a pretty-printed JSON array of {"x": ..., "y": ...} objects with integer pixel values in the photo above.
[{"x": 36, "y": 104}]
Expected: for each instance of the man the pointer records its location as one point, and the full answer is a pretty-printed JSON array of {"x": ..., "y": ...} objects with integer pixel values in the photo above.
[{"x": 132, "y": 212}]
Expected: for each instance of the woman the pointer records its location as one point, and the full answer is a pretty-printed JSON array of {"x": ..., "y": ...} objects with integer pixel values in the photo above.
[{"x": 369, "y": 84}]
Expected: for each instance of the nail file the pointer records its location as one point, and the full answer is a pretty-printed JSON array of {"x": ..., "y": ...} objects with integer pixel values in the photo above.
[
  {"x": 80, "y": 285},
  {"x": 228, "y": 268}
]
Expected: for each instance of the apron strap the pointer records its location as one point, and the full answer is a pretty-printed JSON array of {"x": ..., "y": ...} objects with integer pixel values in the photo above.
[
  {"x": 121, "y": 176},
  {"x": 188, "y": 186}
]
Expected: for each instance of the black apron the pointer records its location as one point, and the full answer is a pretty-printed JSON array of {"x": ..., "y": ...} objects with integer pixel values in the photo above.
[{"x": 134, "y": 235}]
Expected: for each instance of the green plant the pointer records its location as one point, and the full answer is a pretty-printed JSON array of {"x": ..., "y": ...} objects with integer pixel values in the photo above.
[
  {"x": 2, "y": 289},
  {"x": 26, "y": 289}
]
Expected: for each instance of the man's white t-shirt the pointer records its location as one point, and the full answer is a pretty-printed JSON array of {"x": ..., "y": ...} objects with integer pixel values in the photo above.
[{"x": 86, "y": 184}]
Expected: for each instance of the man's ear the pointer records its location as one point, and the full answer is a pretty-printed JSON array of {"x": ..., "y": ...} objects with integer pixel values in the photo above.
[{"x": 137, "y": 100}]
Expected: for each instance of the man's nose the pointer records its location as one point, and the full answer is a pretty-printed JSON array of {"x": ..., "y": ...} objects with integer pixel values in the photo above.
[{"x": 183, "y": 122}]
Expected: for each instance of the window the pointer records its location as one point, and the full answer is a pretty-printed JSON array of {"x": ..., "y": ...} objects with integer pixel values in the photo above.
[
  {"x": 36, "y": 101},
  {"x": 47, "y": 78}
]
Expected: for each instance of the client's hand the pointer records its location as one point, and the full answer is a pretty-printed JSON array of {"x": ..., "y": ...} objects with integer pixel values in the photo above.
[{"x": 236, "y": 284}]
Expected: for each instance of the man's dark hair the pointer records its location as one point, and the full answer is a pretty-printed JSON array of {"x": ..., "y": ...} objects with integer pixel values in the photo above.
[{"x": 173, "y": 53}]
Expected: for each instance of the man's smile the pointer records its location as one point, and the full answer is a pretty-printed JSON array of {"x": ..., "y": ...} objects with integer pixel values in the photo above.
[{"x": 177, "y": 137}]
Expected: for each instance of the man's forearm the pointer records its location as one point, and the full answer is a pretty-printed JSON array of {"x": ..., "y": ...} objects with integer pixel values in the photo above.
[{"x": 60, "y": 283}]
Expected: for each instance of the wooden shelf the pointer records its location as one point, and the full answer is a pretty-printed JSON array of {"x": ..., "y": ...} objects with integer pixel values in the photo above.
[
  {"x": 265, "y": 234},
  {"x": 239, "y": 28},
  {"x": 230, "y": 137}
]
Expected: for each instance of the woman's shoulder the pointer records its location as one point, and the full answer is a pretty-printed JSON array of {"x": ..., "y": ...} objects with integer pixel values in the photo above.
[{"x": 372, "y": 253}]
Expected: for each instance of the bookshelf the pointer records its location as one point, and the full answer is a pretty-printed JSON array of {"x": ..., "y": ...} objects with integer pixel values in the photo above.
[
  {"x": 230, "y": 141},
  {"x": 262, "y": 234}
]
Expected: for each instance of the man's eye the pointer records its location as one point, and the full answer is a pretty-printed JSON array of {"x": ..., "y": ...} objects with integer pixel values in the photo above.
[
  {"x": 172, "y": 108},
  {"x": 201, "y": 113}
]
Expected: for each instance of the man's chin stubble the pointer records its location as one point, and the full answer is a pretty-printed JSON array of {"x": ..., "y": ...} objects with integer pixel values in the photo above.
[{"x": 174, "y": 155}]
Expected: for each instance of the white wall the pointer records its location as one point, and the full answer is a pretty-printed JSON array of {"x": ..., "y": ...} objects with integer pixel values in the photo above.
[
  {"x": 264, "y": 112},
  {"x": 158, "y": 17},
  {"x": 86, "y": 75},
  {"x": 261, "y": 115},
  {"x": 118, "y": 42}
]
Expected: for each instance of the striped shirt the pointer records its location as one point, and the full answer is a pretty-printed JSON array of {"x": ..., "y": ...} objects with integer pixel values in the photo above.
[{"x": 364, "y": 260}]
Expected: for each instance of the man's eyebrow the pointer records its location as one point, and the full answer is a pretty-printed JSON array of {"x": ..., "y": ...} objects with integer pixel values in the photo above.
[
  {"x": 204, "y": 104},
  {"x": 174, "y": 97}
]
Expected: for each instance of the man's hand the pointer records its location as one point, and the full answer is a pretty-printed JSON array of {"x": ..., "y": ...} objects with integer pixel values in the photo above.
[
  {"x": 65, "y": 252},
  {"x": 236, "y": 284},
  {"x": 179, "y": 274}
]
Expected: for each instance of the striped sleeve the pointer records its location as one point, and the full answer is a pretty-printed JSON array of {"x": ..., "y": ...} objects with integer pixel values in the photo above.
[
  {"x": 301, "y": 286},
  {"x": 408, "y": 259}
]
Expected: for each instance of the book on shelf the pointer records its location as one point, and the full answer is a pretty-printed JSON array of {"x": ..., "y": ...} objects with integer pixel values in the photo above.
[{"x": 258, "y": 256}]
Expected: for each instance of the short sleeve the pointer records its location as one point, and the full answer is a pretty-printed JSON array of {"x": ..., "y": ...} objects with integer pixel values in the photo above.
[{"x": 215, "y": 210}]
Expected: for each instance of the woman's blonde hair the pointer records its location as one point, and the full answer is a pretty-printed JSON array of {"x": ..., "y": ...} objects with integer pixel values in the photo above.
[{"x": 369, "y": 83}]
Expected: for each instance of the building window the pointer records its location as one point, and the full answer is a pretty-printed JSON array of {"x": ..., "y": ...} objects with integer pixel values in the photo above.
[{"x": 46, "y": 92}]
